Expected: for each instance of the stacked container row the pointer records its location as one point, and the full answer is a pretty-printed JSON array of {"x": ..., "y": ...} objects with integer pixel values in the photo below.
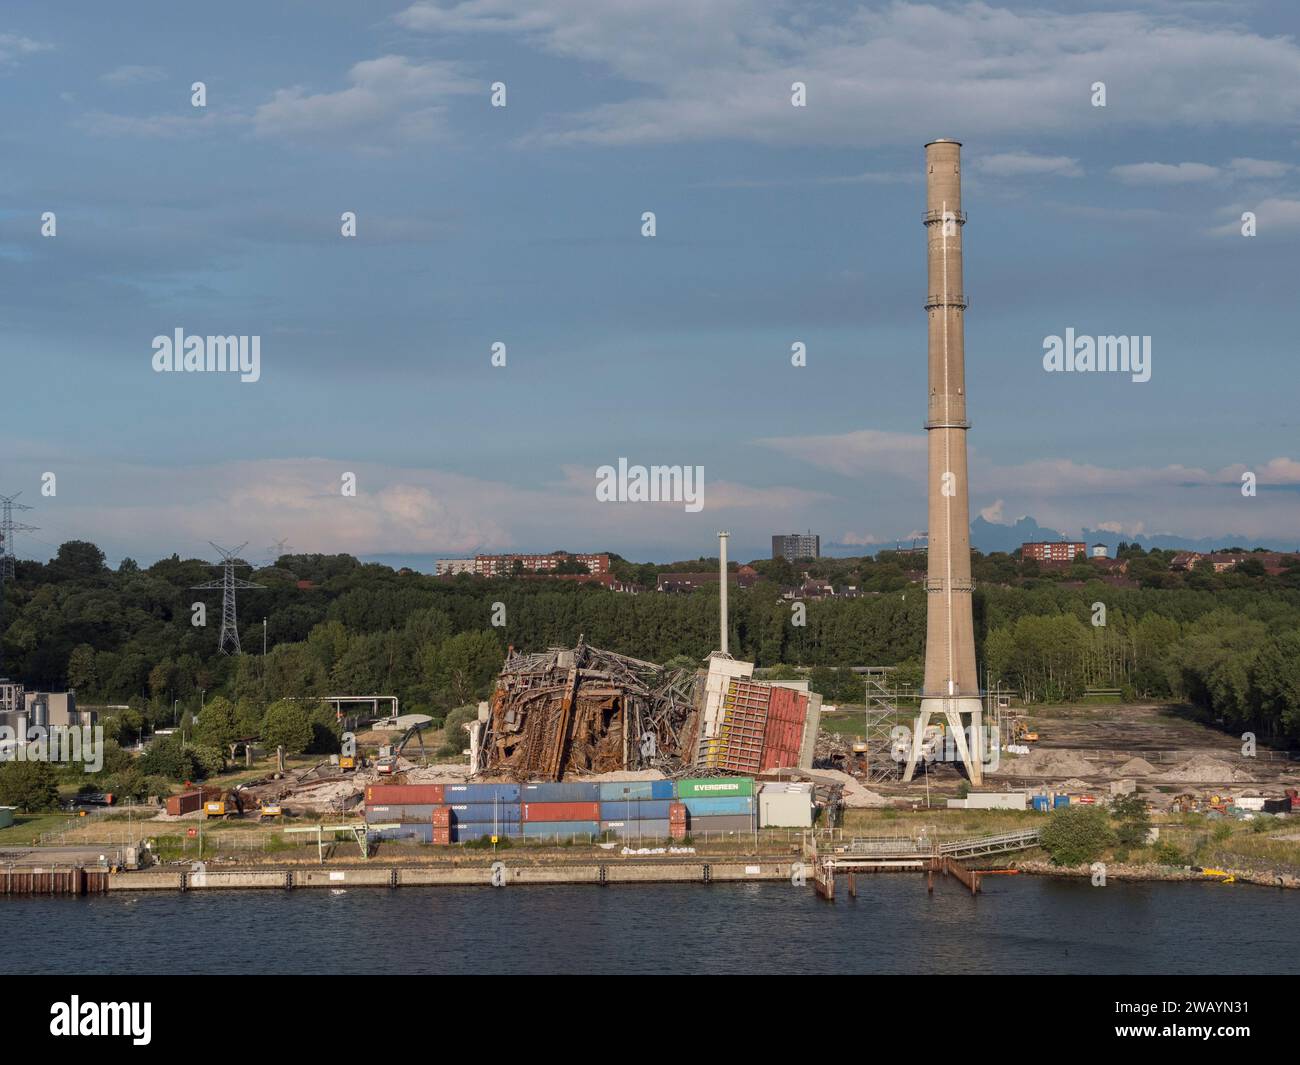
[{"x": 639, "y": 809}]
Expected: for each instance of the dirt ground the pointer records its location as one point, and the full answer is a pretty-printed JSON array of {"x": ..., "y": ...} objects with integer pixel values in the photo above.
[{"x": 1085, "y": 748}]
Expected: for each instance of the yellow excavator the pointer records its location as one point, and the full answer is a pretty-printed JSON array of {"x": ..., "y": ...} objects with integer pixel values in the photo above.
[{"x": 228, "y": 805}]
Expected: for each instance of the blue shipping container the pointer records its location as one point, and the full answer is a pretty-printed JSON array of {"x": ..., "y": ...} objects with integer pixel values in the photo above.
[
  {"x": 612, "y": 791},
  {"x": 1040, "y": 803},
  {"x": 470, "y": 831},
  {"x": 635, "y": 810},
  {"x": 1061, "y": 800},
  {"x": 481, "y": 792},
  {"x": 562, "y": 829},
  {"x": 637, "y": 829},
  {"x": 470, "y": 812},
  {"x": 719, "y": 806},
  {"x": 633, "y": 830},
  {"x": 560, "y": 792},
  {"x": 417, "y": 833}
]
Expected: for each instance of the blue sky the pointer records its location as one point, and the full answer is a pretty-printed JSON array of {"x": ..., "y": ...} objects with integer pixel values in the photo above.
[{"x": 522, "y": 225}]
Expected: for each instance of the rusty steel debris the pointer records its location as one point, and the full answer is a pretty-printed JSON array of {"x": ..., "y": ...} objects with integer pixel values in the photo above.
[{"x": 573, "y": 712}]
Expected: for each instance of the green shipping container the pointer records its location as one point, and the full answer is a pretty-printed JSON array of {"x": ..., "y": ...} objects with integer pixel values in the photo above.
[{"x": 709, "y": 787}]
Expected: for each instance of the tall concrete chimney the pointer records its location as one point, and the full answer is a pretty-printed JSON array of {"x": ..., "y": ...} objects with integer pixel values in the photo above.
[
  {"x": 722, "y": 580},
  {"x": 951, "y": 684}
]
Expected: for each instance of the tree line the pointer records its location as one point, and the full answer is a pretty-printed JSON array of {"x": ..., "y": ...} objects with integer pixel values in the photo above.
[{"x": 336, "y": 626}]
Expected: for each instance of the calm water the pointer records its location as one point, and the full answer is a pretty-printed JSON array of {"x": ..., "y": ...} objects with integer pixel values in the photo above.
[{"x": 1019, "y": 925}]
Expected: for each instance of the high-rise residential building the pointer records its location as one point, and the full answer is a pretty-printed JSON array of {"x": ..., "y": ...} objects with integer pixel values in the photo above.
[{"x": 794, "y": 546}]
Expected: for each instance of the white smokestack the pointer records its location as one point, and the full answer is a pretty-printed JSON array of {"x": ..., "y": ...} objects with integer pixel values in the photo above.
[{"x": 722, "y": 581}]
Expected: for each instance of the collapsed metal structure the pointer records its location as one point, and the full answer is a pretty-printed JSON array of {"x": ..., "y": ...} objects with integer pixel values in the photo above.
[{"x": 569, "y": 712}]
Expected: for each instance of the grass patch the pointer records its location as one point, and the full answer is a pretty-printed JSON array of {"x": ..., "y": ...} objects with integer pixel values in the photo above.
[{"x": 28, "y": 827}]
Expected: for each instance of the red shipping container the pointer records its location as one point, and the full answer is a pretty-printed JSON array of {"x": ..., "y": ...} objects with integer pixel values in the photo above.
[
  {"x": 185, "y": 803},
  {"x": 441, "y": 835},
  {"x": 677, "y": 829},
  {"x": 441, "y": 818},
  {"x": 561, "y": 811},
  {"x": 677, "y": 813},
  {"x": 404, "y": 794}
]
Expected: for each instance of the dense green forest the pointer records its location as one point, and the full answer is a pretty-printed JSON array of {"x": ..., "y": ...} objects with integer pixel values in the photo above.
[{"x": 1229, "y": 643}]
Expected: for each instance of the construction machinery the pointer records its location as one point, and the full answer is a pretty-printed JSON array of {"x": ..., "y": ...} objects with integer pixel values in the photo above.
[
  {"x": 1021, "y": 732},
  {"x": 228, "y": 805},
  {"x": 347, "y": 763},
  {"x": 386, "y": 763},
  {"x": 270, "y": 811}
]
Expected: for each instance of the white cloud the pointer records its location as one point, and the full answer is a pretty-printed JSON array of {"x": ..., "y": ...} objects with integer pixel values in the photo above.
[
  {"x": 1165, "y": 173},
  {"x": 13, "y": 46},
  {"x": 1259, "y": 168},
  {"x": 856, "y": 453},
  {"x": 133, "y": 75},
  {"x": 724, "y": 69},
  {"x": 137, "y": 510},
  {"x": 1027, "y": 164},
  {"x": 390, "y": 98},
  {"x": 858, "y": 539},
  {"x": 1272, "y": 215},
  {"x": 1065, "y": 494}
]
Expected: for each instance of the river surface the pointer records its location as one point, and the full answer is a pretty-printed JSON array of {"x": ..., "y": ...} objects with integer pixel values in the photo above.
[{"x": 1024, "y": 924}]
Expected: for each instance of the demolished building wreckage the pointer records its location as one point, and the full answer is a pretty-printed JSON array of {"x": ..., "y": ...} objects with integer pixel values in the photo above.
[{"x": 583, "y": 711}]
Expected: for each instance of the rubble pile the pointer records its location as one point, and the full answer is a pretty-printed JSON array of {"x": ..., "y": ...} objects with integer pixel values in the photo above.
[{"x": 564, "y": 713}]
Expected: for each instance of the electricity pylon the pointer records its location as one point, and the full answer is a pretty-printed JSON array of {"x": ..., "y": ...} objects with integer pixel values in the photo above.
[
  {"x": 7, "y": 529},
  {"x": 228, "y": 643}
]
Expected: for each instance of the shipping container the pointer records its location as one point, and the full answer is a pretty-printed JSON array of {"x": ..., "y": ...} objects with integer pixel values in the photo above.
[
  {"x": 635, "y": 810},
  {"x": 611, "y": 791},
  {"x": 185, "y": 803},
  {"x": 677, "y": 812},
  {"x": 485, "y": 812},
  {"x": 405, "y": 814},
  {"x": 562, "y": 829},
  {"x": 416, "y": 833},
  {"x": 471, "y": 831},
  {"x": 1061, "y": 800},
  {"x": 677, "y": 830},
  {"x": 561, "y": 811},
  {"x": 441, "y": 835},
  {"x": 718, "y": 806},
  {"x": 564, "y": 791},
  {"x": 404, "y": 794},
  {"x": 658, "y": 829},
  {"x": 480, "y": 792},
  {"x": 721, "y": 823},
  {"x": 1040, "y": 803},
  {"x": 702, "y": 787},
  {"x": 441, "y": 816},
  {"x": 996, "y": 800}
]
